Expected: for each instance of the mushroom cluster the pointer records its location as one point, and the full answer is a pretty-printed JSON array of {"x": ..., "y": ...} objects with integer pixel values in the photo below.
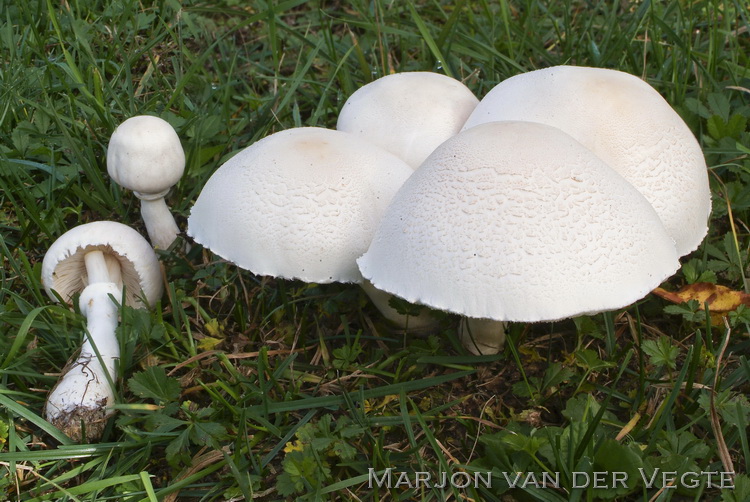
[
  {"x": 565, "y": 191},
  {"x": 569, "y": 191}
]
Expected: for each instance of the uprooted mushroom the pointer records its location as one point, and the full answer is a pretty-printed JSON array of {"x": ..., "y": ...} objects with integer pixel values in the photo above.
[{"x": 104, "y": 262}]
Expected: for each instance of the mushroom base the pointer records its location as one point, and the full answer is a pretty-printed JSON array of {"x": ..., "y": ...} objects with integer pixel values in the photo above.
[
  {"x": 83, "y": 397},
  {"x": 381, "y": 299},
  {"x": 74, "y": 422},
  {"x": 482, "y": 336},
  {"x": 82, "y": 400}
]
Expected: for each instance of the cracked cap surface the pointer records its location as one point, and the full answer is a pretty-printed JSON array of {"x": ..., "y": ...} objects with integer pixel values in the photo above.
[
  {"x": 517, "y": 221},
  {"x": 299, "y": 204},
  {"x": 625, "y": 122}
]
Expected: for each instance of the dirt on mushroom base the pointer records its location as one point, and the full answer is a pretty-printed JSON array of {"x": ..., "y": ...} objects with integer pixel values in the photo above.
[
  {"x": 74, "y": 422},
  {"x": 93, "y": 420}
]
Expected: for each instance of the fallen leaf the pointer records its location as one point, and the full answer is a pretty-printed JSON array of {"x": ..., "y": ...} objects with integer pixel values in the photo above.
[
  {"x": 207, "y": 343},
  {"x": 720, "y": 299}
]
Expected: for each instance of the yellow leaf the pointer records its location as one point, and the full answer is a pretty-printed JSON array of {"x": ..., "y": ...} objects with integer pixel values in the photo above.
[
  {"x": 214, "y": 328},
  {"x": 720, "y": 299},
  {"x": 372, "y": 404},
  {"x": 209, "y": 343},
  {"x": 293, "y": 446}
]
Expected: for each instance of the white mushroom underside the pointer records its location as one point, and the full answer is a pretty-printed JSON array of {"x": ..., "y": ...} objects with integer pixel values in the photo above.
[
  {"x": 625, "y": 122},
  {"x": 517, "y": 221},
  {"x": 64, "y": 269},
  {"x": 299, "y": 204},
  {"x": 71, "y": 276}
]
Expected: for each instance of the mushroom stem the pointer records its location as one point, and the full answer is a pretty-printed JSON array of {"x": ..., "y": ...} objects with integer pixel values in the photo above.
[
  {"x": 160, "y": 225},
  {"x": 482, "y": 336},
  {"x": 113, "y": 267},
  {"x": 83, "y": 397},
  {"x": 381, "y": 300},
  {"x": 97, "y": 269}
]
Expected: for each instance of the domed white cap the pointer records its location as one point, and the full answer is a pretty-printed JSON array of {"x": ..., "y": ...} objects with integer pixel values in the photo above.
[
  {"x": 627, "y": 124},
  {"x": 409, "y": 114},
  {"x": 516, "y": 221},
  {"x": 299, "y": 204},
  {"x": 64, "y": 268},
  {"x": 145, "y": 155}
]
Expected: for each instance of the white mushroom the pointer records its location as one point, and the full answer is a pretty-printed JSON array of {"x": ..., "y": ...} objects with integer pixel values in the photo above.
[
  {"x": 409, "y": 114},
  {"x": 96, "y": 260},
  {"x": 299, "y": 204},
  {"x": 515, "y": 221},
  {"x": 628, "y": 125},
  {"x": 145, "y": 155}
]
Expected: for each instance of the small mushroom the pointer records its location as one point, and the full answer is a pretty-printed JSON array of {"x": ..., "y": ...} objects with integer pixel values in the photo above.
[
  {"x": 300, "y": 204},
  {"x": 145, "y": 156},
  {"x": 409, "y": 114},
  {"x": 625, "y": 122},
  {"x": 517, "y": 221},
  {"x": 101, "y": 261}
]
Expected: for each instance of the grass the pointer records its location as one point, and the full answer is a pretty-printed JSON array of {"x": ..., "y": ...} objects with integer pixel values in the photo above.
[{"x": 246, "y": 387}]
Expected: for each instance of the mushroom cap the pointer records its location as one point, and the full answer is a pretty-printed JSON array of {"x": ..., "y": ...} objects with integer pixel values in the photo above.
[
  {"x": 628, "y": 124},
  {"x": 299, "y": 204},
  {"x": 517, "y": 221},
  {"x": 64, "y": 269},
  {"x": 145, "y": 155},
  {"x": 409, "y": 114}
]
